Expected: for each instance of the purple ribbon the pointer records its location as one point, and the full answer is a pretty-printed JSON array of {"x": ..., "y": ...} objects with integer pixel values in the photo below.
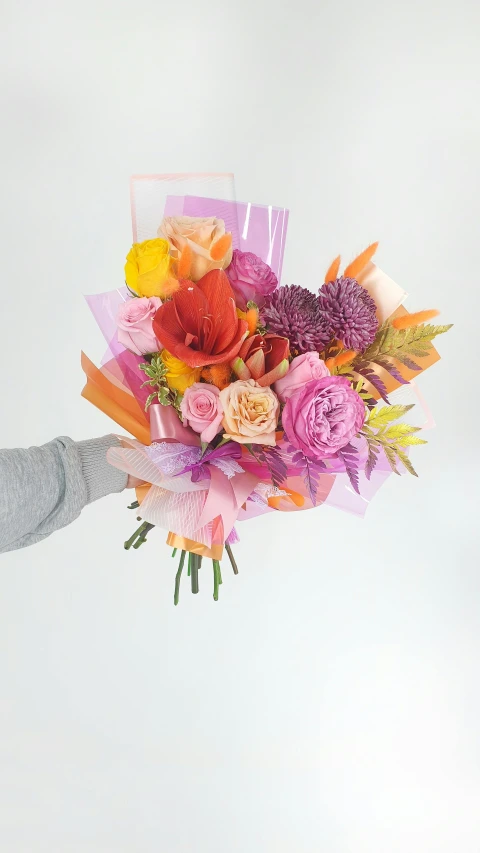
[{"x": 200, "y": 470}]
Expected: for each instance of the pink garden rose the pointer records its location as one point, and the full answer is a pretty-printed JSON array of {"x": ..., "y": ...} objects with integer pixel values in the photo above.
[
  {"x": 251, "y": 279},
  {"x": 202, "y": 410},
  {"x": 303, "y": 369},
  {"x": 134, "y": 322},
  {"x": 323, "y": 416}
]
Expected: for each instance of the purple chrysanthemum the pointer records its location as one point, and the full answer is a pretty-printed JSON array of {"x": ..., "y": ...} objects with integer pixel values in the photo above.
[
  {"x": 350, "y": 312},
  {"x": 295, "y": 313}
]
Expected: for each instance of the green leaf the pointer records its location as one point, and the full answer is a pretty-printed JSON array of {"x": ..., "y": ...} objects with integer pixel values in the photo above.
[
  {"x": 409, "y": 440},
  {"x": 399, "y": 431},
  {"x": 150, "y": 400},
  {"x": 390, "y": 454},
  {"x": 406, "y": 461},
  {"x": 400, "y": 343},
  {"x": 384, "y": 415}
]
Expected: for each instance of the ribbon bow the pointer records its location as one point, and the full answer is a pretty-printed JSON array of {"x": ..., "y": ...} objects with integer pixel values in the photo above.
[{"x": 196, "y": 496}]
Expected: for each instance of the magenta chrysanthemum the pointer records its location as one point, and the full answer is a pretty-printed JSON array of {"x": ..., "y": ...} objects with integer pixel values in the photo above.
[
  {"x": 350, "y": 312},
  {"x": 294, "y": 312}
]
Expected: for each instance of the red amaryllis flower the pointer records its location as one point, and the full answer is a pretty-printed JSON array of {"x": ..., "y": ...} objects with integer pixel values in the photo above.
[
  {"x": 263, "y": 358},
  {"x": 199, "y": 325}
]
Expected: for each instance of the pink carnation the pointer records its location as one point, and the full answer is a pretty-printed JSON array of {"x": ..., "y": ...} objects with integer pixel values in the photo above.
[
  {"x": 303, "y": 369},
  {"x": 134, "y": 322},
  {"x": 323, "y": 416},
  {"x": 202, "y": 410}
]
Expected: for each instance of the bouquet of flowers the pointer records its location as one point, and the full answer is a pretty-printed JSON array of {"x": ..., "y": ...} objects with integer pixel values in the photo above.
[{"x": 243, "y": 396}]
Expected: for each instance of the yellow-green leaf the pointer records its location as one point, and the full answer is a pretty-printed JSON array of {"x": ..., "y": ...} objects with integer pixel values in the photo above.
[
  {"x": 409, "y": 440},
  {"x": 386, "y": 414},
  {"x": 406, "y": 461},
  {"x": 399, "y": 430}
]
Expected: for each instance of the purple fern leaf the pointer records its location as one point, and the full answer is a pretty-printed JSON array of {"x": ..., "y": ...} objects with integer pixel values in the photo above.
[
  {"x": 367, "y": 373},
  {"x": 372, "y": 459},
  {"x": 276, "y": 465},
  {"x": 272, "y": 458},
  {"x": 349, "y": 457},
  {"x": 311, "y": 470},
  {"x": 392, "y": 370}
]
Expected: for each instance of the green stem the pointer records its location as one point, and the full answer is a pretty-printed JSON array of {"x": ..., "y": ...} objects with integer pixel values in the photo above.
[
  {"x": 174, "y": 552},
  {"x": 216, "y": 567},
  {"x": 128, "y": 544},
  {"x": 178, "y": 577},
  {"x": 231, "y": 558},
  {"x": 189, "y": 564},
  {"x": 143, "y": 535},
  {"x": 194, "y": 572},
  {"x": 135, "y": 505}
]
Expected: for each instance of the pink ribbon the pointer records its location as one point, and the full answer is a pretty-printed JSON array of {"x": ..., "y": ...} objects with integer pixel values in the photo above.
[
  {"x": 165, "y": 425},
  {"x": 225, "y": 497}
]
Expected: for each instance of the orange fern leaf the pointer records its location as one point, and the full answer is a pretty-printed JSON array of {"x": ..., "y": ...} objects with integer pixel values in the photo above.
[
  {"x": 219, "y": 249},
  {"x": 332, "y": 272},
  {"x": 409, "y": 320},
  {"x": 355, "y": 268},
  {"x": 344, "y": 357},
  {"x": 185, "y": 262}
]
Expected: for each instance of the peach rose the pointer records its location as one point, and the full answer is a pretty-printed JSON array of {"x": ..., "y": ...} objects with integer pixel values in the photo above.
[
  {"x": 202, "y": 242},
  {"x": 250, "y": 412}
]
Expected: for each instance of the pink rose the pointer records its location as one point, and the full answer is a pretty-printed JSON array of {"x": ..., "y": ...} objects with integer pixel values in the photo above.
[
  {"x": 303, "y": 369},
  {"x": 323, "y": 416},
  {"x": 251, "y": 279},
  {"x": 202, "y": 410},
  {"x": 134, "y": 321}
]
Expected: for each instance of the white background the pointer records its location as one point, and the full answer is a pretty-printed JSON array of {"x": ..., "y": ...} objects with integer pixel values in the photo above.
[{"x": 330, "y": 701}]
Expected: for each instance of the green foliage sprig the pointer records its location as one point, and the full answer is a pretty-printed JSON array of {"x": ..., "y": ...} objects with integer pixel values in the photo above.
[
  {"x": 157, "y": 373},
  {"x": 400, "y": 344},
  {"x": 381, "y": 433}
]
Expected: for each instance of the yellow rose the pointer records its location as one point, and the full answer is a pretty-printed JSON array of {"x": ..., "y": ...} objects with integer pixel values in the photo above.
[
  {"x": 201, "y": 241},
  {"x": 179, "y": 375},
  {"x": 148, "y": 270}
]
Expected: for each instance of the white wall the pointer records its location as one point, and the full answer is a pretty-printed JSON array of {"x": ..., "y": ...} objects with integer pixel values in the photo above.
[{"x": 330, "y": 700}]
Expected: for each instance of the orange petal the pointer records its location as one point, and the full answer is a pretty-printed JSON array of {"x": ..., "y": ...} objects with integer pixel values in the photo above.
[
  {"x": 409, "y": 320},
  {"x": 344, "y": 358},
  {"x": 332, "y": 272},
  {"x": 219, "y": 249},
  {"x": 218, "y": 375},
  {"x": 252, "y": 320},
  {"x": 355, "y": 268},
  {"x": 185, "y": 261},
  {"x": 330, "y": 364}
]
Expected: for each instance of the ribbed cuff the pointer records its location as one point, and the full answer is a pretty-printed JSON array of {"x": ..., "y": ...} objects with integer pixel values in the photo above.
[{"x": 100, "y": 477}]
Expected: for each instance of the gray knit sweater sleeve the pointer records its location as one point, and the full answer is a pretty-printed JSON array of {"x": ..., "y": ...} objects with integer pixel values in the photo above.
[{"x": 45, "y": 488}]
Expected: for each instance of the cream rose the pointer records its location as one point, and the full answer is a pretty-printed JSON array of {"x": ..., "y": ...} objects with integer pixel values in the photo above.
[
  {"x": 250, "y": 412},
  {"x": 210, "y": 246}
]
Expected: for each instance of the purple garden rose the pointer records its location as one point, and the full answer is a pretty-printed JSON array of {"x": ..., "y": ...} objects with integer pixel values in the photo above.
[
  {"x": 251, "y": 279},
  {"x": 323, "y": 416}
]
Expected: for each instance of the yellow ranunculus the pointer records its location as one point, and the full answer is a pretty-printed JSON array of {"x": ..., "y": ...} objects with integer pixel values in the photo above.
[
  {"x": 179, "y": 375},
  {"x": 148, "y": 270}
]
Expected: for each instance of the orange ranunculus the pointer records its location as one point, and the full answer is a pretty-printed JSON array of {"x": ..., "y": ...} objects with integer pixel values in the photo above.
[
  {"x": 263, "y": 358},
  {"x": 199, "y": 325}
]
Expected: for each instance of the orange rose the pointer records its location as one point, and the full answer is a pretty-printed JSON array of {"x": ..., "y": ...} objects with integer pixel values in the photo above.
[
  {"x": 250, "y": 412},
  {"x": 202, "y": 243}
]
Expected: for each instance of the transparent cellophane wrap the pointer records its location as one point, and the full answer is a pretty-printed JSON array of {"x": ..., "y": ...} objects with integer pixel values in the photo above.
[{"x": 116, "y": 387}]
